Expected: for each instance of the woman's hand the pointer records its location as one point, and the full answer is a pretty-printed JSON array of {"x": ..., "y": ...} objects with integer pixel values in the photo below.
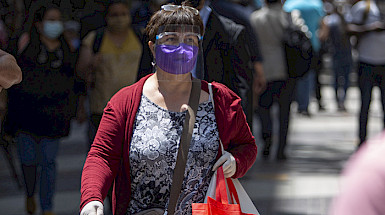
[
  {"x": 229, "y": 164},
  {"x": 92, "y": 208}
]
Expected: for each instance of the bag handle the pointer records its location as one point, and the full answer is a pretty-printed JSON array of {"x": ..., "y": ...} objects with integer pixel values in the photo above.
[
  {"x": 221, "y": 192},
  {"x": 232, "y": 190},
  {"x": 184, "y": 145}
]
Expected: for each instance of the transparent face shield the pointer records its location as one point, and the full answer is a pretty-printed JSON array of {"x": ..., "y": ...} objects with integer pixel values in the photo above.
[{"x": 177, "y": 48}]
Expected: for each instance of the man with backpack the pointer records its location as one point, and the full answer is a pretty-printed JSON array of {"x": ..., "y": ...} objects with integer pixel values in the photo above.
[{"x": 312, "y": 13}]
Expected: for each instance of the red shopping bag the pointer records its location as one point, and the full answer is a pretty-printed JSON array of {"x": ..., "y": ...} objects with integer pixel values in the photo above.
[{"x": 220, "y": 205}]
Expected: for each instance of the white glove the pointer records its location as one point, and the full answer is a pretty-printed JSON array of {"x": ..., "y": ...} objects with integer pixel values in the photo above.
[
  {"x": 229, "y": 164},
  {"x": 92, "y": 208}
]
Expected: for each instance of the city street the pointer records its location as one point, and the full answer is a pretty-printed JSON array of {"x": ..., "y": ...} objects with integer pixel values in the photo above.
[{"x": 318, "y": 148}]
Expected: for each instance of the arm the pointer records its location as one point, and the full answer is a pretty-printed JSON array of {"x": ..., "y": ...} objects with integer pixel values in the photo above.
[
  {"x": 358, "y": 28},
  {"x": 103, "y": 160},
  {"x": 354, "y": 29},
  {"x": 88, "y": 60},
  {"x": 233, "y": 129},
  {"x": 323, "y": 33},
  {"x": 259, "y": 81},
  {"x": 242, "y": 145},
  {"x": 10, "y": 72}
]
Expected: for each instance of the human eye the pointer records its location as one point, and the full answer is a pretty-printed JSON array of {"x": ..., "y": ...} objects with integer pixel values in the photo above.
[
  {"x": 192, "y": 40},
  {"x": 169, "y": 39}
]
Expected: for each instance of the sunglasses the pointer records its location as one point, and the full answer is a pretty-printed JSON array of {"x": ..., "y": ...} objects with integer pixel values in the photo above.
[{"x": 171, "y": 7}]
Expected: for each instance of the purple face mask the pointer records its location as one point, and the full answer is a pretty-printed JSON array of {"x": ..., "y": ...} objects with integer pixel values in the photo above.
[{"x": 176, "y": 59}]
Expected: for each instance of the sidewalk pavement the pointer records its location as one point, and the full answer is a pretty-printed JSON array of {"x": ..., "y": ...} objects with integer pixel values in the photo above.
[
  {"x": 317, "y": 150},
  {"x": 318, "y": 147}
]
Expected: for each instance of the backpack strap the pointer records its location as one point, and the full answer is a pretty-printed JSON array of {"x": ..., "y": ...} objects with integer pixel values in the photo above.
[
  {"x": 98, "y": 40},
  {"x": 366, "y": 12}
]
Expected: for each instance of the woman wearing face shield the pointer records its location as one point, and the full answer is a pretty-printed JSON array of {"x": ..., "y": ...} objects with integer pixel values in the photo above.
[
  {"x": 41, "y": 106},
  {"x": 136, "y": 144}
]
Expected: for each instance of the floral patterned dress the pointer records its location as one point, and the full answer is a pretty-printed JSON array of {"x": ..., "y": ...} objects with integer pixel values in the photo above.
[{"x": 153, "y": 153}]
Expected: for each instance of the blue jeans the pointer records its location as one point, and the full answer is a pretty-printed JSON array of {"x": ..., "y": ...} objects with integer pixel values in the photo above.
[
  {"x": 369, "y": 76},
  {"x": 304, "y": 89},
  {"x": 39, "y": 151}
]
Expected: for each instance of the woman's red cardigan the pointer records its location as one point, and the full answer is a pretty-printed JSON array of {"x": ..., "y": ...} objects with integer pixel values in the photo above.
[{"x": 107, "y": 162}]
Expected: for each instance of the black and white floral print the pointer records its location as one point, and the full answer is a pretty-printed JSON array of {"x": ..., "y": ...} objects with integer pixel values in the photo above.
[{"x": 153, "y": 152}]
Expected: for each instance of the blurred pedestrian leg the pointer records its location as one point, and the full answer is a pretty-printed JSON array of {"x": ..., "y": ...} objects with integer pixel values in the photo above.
[
  {"x": 43, "y": 150},
  {"x": 304, "y": 90}
]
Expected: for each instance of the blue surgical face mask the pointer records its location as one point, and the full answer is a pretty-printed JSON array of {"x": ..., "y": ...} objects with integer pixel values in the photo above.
[{"x": 53, "y": 29}]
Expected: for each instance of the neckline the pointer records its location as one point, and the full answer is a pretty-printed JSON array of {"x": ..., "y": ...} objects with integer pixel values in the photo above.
[{"x": 169, "y": 111}]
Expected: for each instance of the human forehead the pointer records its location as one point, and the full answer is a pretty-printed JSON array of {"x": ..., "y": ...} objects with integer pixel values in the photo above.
[
  {"x": 180, "y": 28},
  {"x": 118, "y": 8},
  {"x": 52, "y": 14}
]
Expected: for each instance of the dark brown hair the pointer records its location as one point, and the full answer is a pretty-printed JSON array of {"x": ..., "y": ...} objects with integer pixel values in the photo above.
[{"x": 180, "y": 16}]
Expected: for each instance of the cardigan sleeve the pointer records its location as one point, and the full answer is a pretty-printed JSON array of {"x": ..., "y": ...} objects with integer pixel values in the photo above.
[
  {"x": 103, "y": 160},
  {"x": 234, "y": 131},
  {"x": 242, "y": 146}
]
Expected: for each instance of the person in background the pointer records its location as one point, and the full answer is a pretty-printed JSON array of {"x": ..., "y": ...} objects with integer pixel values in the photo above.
[
  {"x": 340, "y": 50},
  {"x": 10, "y": 72},
  {"x": 108, "y": 60},
  {"x": 41, "y": 106},
  {"x": 363, "y": 181},
  {"x": 240, "y": 11},
  {"x": 312, "y": 12},
  {"x": 136, "y": 145},
  {"x": 269, "y": 24},
  {"x": 91, "y": 15},
  {"x": 141, "y": 14},
  {"x": 364, "y": 20}
]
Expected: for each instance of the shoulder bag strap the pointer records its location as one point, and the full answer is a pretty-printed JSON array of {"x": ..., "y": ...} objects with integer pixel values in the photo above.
[{"x": 184, "y": 146}]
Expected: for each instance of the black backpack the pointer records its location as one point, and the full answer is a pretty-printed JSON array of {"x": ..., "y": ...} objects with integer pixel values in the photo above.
[{"x": 298, "y": 47}]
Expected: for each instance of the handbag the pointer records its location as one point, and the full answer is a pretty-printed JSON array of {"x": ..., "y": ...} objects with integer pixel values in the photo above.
[
  {"x": 184, "y": 146},
  {"x": 226, "y": 202},
  {"x": 231, "y": 199}
]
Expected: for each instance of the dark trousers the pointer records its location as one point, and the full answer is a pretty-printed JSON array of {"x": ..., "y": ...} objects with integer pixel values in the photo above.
[
  {"x": 318, "y": 69},
  {"x": 282, "y": 93},
  {"x": 369, "y": 76}
]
